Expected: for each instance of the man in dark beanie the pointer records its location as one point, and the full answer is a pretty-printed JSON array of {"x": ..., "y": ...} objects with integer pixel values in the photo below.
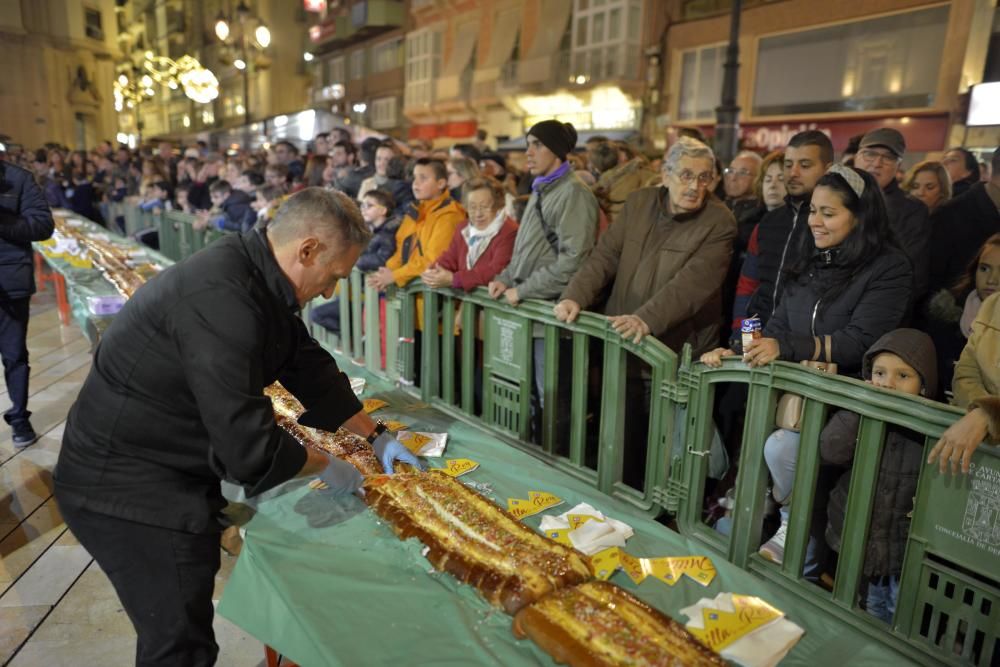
[
  {"x": 560, "y": 220},
  {"x": 557, "y": 231}
]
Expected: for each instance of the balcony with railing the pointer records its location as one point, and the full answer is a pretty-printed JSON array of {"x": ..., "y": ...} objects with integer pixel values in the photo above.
[{"x": 361, "y": 21}]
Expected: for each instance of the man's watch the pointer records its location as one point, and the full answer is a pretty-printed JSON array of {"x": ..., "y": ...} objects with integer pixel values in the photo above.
[{"x": 380, "y": 428}]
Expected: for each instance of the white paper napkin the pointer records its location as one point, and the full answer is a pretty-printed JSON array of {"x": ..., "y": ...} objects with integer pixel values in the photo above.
[
  {"x": 594, "y": 536},
  {"x": 435, "y": 447},
  {"x": 762, "y": 647}
]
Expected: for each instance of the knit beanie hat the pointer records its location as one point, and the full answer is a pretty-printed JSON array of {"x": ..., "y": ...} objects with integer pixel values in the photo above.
[{"x": 560, "y": 138}]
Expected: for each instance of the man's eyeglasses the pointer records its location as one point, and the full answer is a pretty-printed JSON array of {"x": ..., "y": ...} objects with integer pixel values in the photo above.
[
  {"x": 473, "y": 210},
  {"x": 688, "y": 177},
  {"x": 869, "y": 155},
  {"x": 742, "y": 173}
]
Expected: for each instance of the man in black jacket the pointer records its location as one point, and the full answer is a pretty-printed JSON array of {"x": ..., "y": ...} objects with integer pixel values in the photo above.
[
  {"x": 24, "y": 217},
  {"x": 779, "y": 233},
  {"x": 174, "y": 403},
  {"x": 961, "y": 225},
  {"x": 879, "y": 154}
]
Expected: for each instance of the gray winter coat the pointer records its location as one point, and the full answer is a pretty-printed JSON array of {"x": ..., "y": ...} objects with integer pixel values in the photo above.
[{"x": 569, "y": 210}]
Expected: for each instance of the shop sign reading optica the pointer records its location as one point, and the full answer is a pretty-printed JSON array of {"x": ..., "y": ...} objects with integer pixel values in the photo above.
[{"x": 922, "y": 133}]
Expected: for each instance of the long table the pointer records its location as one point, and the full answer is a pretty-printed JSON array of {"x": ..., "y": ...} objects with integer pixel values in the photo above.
[
  {"x": 82, "y": 280},
  {"x": 326, "y": 583}
]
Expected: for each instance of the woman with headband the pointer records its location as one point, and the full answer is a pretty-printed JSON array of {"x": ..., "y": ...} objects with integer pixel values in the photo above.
[{"x": 851, "y": 287}]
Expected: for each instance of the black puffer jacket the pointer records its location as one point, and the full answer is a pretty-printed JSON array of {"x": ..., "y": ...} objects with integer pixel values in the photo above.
[
  {"x": 902, "y": 457},
  {"x": 381, "y": 247},
  {"x": 959, "y": 227},
  {"x": 24, "y": 217},
  {"x": 779, "y": 242},
  {"x": 872, "y": 304}
]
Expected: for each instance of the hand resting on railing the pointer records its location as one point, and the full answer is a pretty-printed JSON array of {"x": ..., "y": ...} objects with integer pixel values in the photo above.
[
  {"x": 497, "y": 289},
  {"x": 759, "y": 352},
  {"x": 381, "y": 279},
  {"x": 567, "y": 311},
  {"x": 437, "y": 277},
  {"x": 960, "y": 441}
]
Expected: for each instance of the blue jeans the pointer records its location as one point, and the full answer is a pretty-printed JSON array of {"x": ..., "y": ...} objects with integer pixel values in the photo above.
[
  {"x": 882, "y": 595},
  {"x": 327, "y": 315},
  {"x": 781, "y": 453}
]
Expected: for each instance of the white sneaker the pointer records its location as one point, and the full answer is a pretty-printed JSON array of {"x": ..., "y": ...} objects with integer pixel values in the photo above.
[{"x": 774, "y": 548}]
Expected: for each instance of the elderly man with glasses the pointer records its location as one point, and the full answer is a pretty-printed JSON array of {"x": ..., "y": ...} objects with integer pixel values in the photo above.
[
  {"x": 880, "y": 154},
  {"x": 666, "y": 258}
]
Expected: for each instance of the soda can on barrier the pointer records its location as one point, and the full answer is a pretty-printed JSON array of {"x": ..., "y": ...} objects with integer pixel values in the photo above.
[{"x": 750, "y": 329}]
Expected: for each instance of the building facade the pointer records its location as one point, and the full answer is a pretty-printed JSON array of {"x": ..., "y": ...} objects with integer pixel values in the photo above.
[
  {"x": 840, "y": 67},
  {"x": 58, "y": 59},
  {"x": 356, "y": 53},
  {"x": 443, "y": 69}
]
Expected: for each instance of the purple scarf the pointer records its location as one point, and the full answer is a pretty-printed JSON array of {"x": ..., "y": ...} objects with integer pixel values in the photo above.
[{"x": 542, "y": 181}]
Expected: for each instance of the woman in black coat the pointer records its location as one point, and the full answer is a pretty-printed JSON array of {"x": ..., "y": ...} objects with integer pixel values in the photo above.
[{"x": 852, "y": 286}]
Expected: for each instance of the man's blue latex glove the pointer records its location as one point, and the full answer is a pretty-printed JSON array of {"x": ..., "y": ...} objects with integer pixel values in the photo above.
[
  {"x": 341, "y": 476},
  {"x": 388, "y": 449}
]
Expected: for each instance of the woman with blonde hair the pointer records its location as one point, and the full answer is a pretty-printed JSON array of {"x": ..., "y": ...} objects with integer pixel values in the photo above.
[
  {"x": 770, "y": 183},
  {"x": 929, "y": 182},
  {"x": 460, "y": 170}
]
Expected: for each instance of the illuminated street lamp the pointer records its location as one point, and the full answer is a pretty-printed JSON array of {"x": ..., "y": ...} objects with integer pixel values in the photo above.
[
  {"x": 130, "y": 92},
  {"x": 199, "y": 84},
  {"x": 248, "y": 36}
]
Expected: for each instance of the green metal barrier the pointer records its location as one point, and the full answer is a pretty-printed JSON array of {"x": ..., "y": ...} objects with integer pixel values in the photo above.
[
  {"x": 507, "y": 342},
  {"x": 178, "y": 237},
  {"x": 948, "y": 609}
]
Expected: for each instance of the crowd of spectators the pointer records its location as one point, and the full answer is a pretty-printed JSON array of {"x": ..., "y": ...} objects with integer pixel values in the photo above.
[{"x": 846, "y": 260}]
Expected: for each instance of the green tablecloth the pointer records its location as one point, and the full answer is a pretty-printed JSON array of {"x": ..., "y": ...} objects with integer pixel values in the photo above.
[
  {"x": 83, "y": 282},
  {"x": 322, "y": 580}
]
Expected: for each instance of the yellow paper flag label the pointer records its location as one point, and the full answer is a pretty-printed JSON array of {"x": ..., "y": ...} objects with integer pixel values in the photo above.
[
  {"x": 699, "y": 568},
  {"x": 79, "y": 262},
  {"x": 560, "y": 535},
  {"x": 662, "y": 569},
  {"x": 537, "y": 501},
  {"x": 633, "y": 567},
  {"x": 604, "y": 563},
  {"x": 415, "y": 442},
  {"x": 393, "y": 425},
  {"x": 458, "y": 467},
  {"x": 577, "y": 520},
  {"x": 722, "y": 628},
  {"x": 370, "y": 405}
]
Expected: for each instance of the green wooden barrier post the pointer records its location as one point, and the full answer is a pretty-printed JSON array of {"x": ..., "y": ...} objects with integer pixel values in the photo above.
[
  {"x": 169, "y": 229},
  {"x": 373, "y": 339}
]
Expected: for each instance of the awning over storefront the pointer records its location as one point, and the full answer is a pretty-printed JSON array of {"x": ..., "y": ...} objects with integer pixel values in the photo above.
[
  {"x": 506, "y": 26},
  {"x": 535, "y": 65},
  {"x": 461, "y": 129},
  {"x": 463, "y": 43}
]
